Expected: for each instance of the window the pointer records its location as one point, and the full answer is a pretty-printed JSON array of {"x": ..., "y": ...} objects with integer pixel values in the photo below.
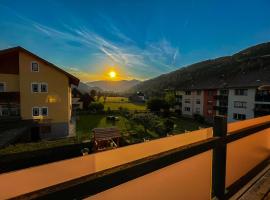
[
  {"x": 188, "y": 92},
  {"x": 187, "y": 108},
  {"x": 2, "y": 87},
  {"x": 210, "y": 112},
  {"x": 239, "y": 116},
  {"x": 35, "y": 111},
  {"x": 240, "y": 104},
  {"x": 241, "y": 92},
  {"x": 199, "y": 92},
  {"x": 198, "y": 110},
  {"x": 35, "y": 87},
  {"x": 198, "y": 101},
  {"x": 43, "y": 87},
  {"x": 34, "y": 67},
  {"x": 44, "y": 111},
  {"x": 209, "y": 102},
  {"x": 187, "y": 101}
]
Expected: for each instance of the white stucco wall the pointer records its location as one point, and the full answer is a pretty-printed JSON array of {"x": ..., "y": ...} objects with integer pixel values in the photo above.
[
  {"x": 193, "y": 105},
  {"x": 248, "y": 111}
]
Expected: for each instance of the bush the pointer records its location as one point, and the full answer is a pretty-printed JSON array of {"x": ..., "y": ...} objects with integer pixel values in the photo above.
[
  {"x": 147, "y": 120},
  {"x": 199, "y": 118},
  {"x": 96, "y": 107},
  {"x": 169, "y": 125},
  {"x": 156, "y": 104}
]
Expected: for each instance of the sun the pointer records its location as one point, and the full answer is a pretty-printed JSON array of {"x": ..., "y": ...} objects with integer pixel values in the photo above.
[{"x": 112, "y": 74}]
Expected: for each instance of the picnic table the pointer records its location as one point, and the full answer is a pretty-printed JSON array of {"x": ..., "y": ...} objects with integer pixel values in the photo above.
[{"x": 106, "y": 138}]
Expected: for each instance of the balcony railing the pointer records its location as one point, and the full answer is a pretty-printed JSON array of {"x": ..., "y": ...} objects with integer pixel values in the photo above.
[
  {"x": 221, "y": 97},
  {"x": 9, "y": 97},
  {"x": 262, "y": 98},
  {"x": 197, "y": 165},
  {"x": 221, "y": 108}
]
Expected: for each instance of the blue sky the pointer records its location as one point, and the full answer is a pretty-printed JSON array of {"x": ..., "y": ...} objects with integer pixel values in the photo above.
[{"x": 136, "y": 38}]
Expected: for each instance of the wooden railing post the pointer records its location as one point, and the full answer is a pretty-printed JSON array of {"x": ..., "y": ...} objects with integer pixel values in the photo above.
[{"x": 219, "y": 158}]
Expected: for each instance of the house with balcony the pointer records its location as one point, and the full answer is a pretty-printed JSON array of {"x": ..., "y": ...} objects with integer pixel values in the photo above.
[{"x": 32, "y": 88}]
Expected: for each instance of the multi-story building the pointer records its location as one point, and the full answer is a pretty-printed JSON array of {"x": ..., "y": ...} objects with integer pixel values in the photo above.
[
  {"x": 241, "y": 103},
  {"x": 33, "y": 88},
  {"x": 209, "y": 104},
  {"x": 262, "y": 102},
  {"x": 222, "y": 102},
  {"x": 236, "y": 103},
  {"x": 178, "y": 100},
  {"x": 192, "y": 102}
]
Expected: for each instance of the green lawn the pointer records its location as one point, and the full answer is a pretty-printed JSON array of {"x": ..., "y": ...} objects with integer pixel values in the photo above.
[
  {"x": 86, "y": 123},
  {"x": 115, "y": 102}
]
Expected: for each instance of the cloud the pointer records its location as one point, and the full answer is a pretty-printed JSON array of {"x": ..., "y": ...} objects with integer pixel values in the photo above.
[{"x": 148, "y": 61}]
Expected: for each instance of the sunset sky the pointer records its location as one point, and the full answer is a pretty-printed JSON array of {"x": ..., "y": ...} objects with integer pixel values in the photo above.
[{"x": 135, "y": 39}]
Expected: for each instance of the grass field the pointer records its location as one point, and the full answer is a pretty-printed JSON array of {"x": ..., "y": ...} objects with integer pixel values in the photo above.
[
  {"x": 115, "y": 102},
  {"x": 86, "y": 123}
]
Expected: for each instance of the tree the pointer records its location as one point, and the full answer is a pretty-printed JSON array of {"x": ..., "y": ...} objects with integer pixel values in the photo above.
[
  {"x": 98, "y": 95},
  {"x": 96, "y": 106},
  {"x": 170, "y": 98},
  {"x": 86, "y": 99},
  {"x": 156, "y": 104},
  {"x": 147, "y": 120},
  {"x": 93, "y": 93}
]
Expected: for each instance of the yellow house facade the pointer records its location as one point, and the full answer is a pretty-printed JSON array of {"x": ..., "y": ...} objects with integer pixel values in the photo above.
[{"x": 36, "y": 89}]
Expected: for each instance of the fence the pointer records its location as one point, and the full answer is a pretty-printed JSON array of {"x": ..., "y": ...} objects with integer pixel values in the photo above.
[{"x": 196, "y": 165}]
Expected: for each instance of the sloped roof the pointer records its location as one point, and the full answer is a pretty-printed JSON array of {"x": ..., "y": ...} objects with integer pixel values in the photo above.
[{"x": 72, "y": 79}]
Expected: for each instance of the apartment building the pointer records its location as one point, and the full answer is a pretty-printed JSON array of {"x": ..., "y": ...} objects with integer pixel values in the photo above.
[
  {"x": 241, "y": 103},
  {"x": 209, "y": 104},
  {"x": 236, "y": 103},
  {"x": 34, "y": 89},
  {"x": 192, "y": 102}
]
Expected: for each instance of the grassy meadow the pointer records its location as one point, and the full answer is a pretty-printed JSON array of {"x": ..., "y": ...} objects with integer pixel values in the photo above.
[{"x": 115, "y": 102}]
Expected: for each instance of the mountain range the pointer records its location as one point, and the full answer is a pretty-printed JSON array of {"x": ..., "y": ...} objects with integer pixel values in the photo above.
[
  {"x": 113, "y": 86},
  {"x": 249, "y": 67}
]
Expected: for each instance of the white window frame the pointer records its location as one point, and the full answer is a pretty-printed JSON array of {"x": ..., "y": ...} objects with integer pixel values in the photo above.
[
  {"x": 33, "y": 111},
  {"x": 187, "y": 109},
  {"x": 5, "y": 86},
  {"x": 43, "y": 83},
  {"x": 32, "y": 87},
  {"x": 187, "y": 101},
  {"x": 41, "y": 114},
  {"x": 32, "y": 66}
]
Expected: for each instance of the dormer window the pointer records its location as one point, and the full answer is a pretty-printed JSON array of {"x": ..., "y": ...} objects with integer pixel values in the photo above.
[{"x": 35, "y": 67}]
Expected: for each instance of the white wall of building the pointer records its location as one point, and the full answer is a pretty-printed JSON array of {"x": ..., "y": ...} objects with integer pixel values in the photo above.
[
  {"x": 194, "y": 107},
  {"x": 250, "y": 104}
]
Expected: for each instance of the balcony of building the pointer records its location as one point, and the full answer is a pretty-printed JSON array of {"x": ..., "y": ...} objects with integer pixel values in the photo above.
[
  {"x": 262, "y": 96},
  {"x": 221, "y": 97},
  {"x": 9, "y": 97},
  {"x": 261, "y": 110},
  {"x": 9, "y": 104},
  {"x": 204, "y": 164}
]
